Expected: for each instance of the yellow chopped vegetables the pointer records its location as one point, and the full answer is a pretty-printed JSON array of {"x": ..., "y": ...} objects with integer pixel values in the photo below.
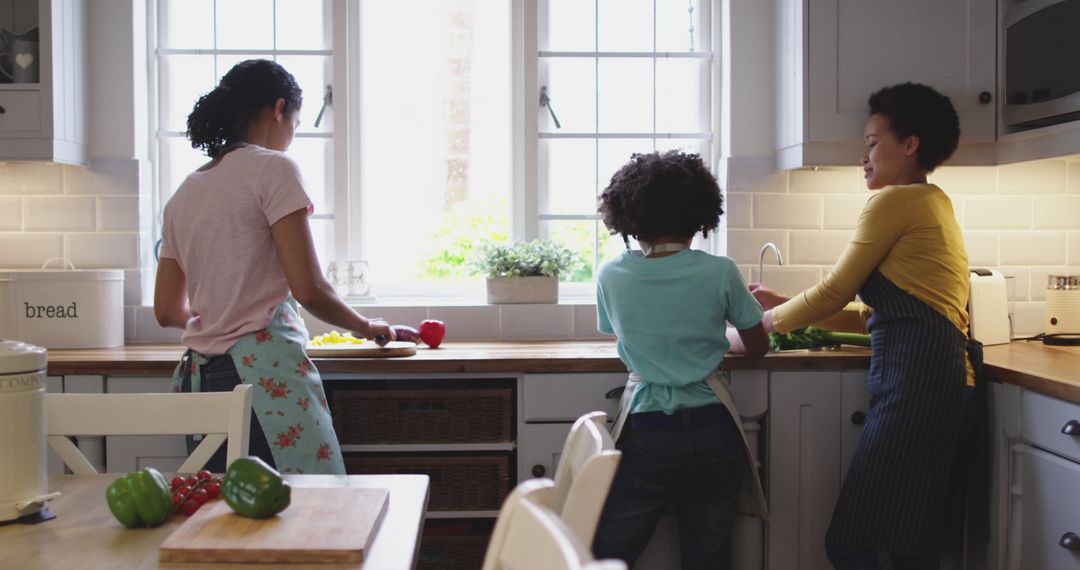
[{"x": 334, "y": 337}]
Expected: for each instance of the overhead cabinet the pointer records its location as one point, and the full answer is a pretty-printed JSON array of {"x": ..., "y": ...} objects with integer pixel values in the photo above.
[
  {"x": 832, "y": 54},
  {"x": 43, "y": 80}
]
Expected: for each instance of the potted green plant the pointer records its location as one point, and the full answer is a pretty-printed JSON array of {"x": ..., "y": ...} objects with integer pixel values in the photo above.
[{"x": 523, "y": 272}]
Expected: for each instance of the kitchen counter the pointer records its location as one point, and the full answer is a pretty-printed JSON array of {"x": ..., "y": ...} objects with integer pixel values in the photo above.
[
  {"x": 1050, "y": 370},
  {"x": 454, "y": 357}
]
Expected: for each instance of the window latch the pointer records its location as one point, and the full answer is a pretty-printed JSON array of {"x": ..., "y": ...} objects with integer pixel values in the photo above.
[
  {"x": 545, "y": 101},
  {"x": 327, "y": 100}
]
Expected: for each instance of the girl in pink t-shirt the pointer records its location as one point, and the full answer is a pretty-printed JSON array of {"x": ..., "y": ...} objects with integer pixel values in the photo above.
[{"x": 236, "y": 257}]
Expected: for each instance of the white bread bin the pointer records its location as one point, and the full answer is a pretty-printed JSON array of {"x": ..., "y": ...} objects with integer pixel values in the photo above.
[{"x": 63, "y": 308}]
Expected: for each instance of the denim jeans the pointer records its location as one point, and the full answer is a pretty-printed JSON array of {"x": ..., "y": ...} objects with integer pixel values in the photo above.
[
  {"x": 695, "y": 470},
  {"x": 219, "y": 375}
]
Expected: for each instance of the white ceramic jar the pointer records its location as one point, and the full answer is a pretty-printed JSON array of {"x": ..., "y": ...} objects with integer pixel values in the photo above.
[{"x": 23, "y": 476}]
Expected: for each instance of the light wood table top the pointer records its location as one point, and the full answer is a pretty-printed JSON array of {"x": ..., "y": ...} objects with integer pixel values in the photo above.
[
  {"x": 84, "y": 533},
  {"x": 1051, "y": 370}
]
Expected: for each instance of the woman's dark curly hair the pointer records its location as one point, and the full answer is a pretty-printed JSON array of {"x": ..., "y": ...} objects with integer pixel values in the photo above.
[
  {"x": 656, "y": 195},
  {"x": 915, "y": 109},
  {"x": 220, "y": 118}
]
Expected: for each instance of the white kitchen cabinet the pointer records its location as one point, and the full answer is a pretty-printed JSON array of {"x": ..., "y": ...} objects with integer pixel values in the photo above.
[
  {"x": 832, "y": 54},
  {"x": 1050, "y": 516},
  {"x": 44, "y": 119},
  {"x": 854, "y": 404}
]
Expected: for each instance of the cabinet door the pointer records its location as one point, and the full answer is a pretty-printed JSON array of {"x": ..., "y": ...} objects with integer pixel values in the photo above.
[
  {"x": 803, "y": 466},
  {"x": 859, "y": 46},
  {"x": 124, "y": 453},
  {"x": 1050, "y": 511},
  {"x": 854, "y": 403},
  {"x": 539, "y": 449}
]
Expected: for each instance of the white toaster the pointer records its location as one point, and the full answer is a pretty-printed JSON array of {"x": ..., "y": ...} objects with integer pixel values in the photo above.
[{"x": 988, "y": 307}]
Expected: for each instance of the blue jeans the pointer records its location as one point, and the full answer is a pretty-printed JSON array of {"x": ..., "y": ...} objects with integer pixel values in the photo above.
[
  {"x": 845, "y": 557},
  {"x": 697, "y": 469},
  {"x": 219, "y": 375}
]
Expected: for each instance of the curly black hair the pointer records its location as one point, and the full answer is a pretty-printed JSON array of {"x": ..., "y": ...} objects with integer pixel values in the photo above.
[
  {"x": 220, "y": 118},
  {"x": 657, "y": 195},
  {"x": 919, "y": 110}
]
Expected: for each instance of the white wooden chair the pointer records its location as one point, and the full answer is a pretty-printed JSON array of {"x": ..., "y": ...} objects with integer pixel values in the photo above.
[
  {"x": 219, "y": 415},
  {"x": 529, "y": 536},
  {"x": 582, "y": 480}
]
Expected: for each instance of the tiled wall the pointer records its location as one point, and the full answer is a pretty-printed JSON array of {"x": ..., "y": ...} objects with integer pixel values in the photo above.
[
  {"x": 90, "y": 216},
  {"x": 1023, "y": 219}
]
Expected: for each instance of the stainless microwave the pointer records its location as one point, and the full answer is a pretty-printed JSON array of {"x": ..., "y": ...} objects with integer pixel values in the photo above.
[{"x": 1042, "y": 63}]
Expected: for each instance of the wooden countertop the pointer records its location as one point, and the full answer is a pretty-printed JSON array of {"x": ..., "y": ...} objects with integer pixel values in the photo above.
[
  {"x": 1051, "y": 370},
  {"x": 456, "y": 357}
]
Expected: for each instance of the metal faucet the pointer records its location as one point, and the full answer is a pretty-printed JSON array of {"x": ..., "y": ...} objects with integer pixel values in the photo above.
[{"x": 761, "y": 259}]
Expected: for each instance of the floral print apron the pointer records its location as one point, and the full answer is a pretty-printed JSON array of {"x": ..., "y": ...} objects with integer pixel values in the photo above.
[{"x": 288, "y": 394}]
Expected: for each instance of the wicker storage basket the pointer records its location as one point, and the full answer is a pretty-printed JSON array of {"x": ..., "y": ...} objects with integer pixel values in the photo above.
[
  {"x": 458, "y": 482},
  {"x": 454, "y": 544},
  {"x": 378, "y": 415}
]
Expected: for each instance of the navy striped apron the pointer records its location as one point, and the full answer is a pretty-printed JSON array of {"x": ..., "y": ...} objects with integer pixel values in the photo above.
[{"x": 911, "y": 480}]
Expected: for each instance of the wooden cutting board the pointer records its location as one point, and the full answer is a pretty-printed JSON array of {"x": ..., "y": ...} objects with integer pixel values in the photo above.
[
  {"x": 332, "y": 525},
  {"x": 366, "y": 350}
]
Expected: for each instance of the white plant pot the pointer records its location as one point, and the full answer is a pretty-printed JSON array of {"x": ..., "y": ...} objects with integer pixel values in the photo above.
[{"x": 535, "y": 289}]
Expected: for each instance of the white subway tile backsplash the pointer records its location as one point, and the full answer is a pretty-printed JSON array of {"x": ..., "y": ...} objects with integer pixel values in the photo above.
[
  {"x": 133, "y": 287},
  {"x": 1041, "y": 177},
  {"x": 10, "y": 214},
  {"x": 842, "y": 212},
  {"x": 997, "y": 213},
  {"x": 1017, "y": 283},
  {"x": 1032, "y": 248},
  {"x": 1074, "y": 178},
  {"x": 131, "y": 331},
  {"x": 101, "y": 250},
  {"x": 1057, "y": 212},
  {"x": 1039, "y": 279},
  {"x": 479, "y": 322},
  {"x": 103, "y": 177},
  {"x": 29, "y": 251},
  {"x": 60, "y": 213},
  {"x": 1028, "y": 319},
  {"x": 148, "y": 330},
  {"x": 818, "y": 247},
  {"x": 840, "y": 180},
  {"x": 982, "y": 248},
  {"x": 30, "y": 178},
  {"x": 744, "y": 246},
  {"x": 786, "y": 279},
  {"x": 737, "y": 210},
  {"x": 1074, "y": 248},
  {"x": 774, "y": 183},
  {"x": 536, "y": 322},
  {"x": 585, "y": 323},
  {"x": 118, "y": 214},
  {"x": 787, "y": 211},
  {"x": 965, "y": 179}
]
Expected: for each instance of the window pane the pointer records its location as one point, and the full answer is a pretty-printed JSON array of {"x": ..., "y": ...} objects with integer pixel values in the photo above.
[
  {"x": 322, "y": 233},
  {"x": 313, "y": 73},
  {"x": 435, "y": 163},
  {"x": 625, "y": 94},
  {"x": 187, "y": 24},
  {"x": 568, "y": 174},
  {"x": 314, "y": 157},
  {"x": 679, "y": 100},
  {"x": 693, "y": 146},
  {"x": 581, "y": 236},
  {"x": 223, "y": 63},
  {"x": 245, "y": 24},
  {"x": 178, "y": 160},
  {"x": 678, "y": 26},
  {"x": 625, "y": 25},
  {"x": 184, "y": 78},
  {"x": 300, "y": 25},
  {"x": 614, "y": 153},
  {"x": 571, "y": 25},
  {"x": 571, "y": 84}
]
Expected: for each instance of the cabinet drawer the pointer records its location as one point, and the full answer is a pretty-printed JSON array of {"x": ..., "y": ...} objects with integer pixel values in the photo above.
[
  {"x": 565, "y": 397},
  {"x": 1050, "y": 509},
  {"x": 21, "y": 111},
  {"x": 1044, "y": 420}
]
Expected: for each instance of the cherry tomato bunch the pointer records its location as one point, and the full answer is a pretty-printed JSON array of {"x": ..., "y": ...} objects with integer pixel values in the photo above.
[{"x": 191, "y": 492}]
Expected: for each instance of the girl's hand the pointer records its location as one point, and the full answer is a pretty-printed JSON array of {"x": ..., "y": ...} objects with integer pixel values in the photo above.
[
  {"x": 766, "y": 297},
  {"x": 379, "y": 331}
]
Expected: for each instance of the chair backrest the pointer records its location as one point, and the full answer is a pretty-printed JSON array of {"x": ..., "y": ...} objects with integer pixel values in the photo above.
[
  {"x": 582, "y": 480},
  {"x": 529, "y": 536},
  {"x": 219, "y": 415}
]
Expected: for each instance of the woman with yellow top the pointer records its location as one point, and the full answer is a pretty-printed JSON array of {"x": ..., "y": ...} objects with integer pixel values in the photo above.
[{"x": 906, "y": 488}]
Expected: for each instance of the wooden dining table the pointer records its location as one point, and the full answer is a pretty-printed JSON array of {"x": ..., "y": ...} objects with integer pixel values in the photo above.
[{"x": 84, "y": 533}]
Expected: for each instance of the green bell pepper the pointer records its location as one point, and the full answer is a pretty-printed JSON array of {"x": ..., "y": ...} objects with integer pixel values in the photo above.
[
  {"x": 140, "y": 498},
  {"x": 254, "y": 489}
]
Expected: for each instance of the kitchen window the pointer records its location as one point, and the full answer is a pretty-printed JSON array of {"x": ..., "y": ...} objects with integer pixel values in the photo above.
[{"x": 436, "y": 137}]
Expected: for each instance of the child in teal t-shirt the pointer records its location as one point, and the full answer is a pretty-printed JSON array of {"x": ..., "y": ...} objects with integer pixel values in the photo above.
[{"x": 669, "y": 307}]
